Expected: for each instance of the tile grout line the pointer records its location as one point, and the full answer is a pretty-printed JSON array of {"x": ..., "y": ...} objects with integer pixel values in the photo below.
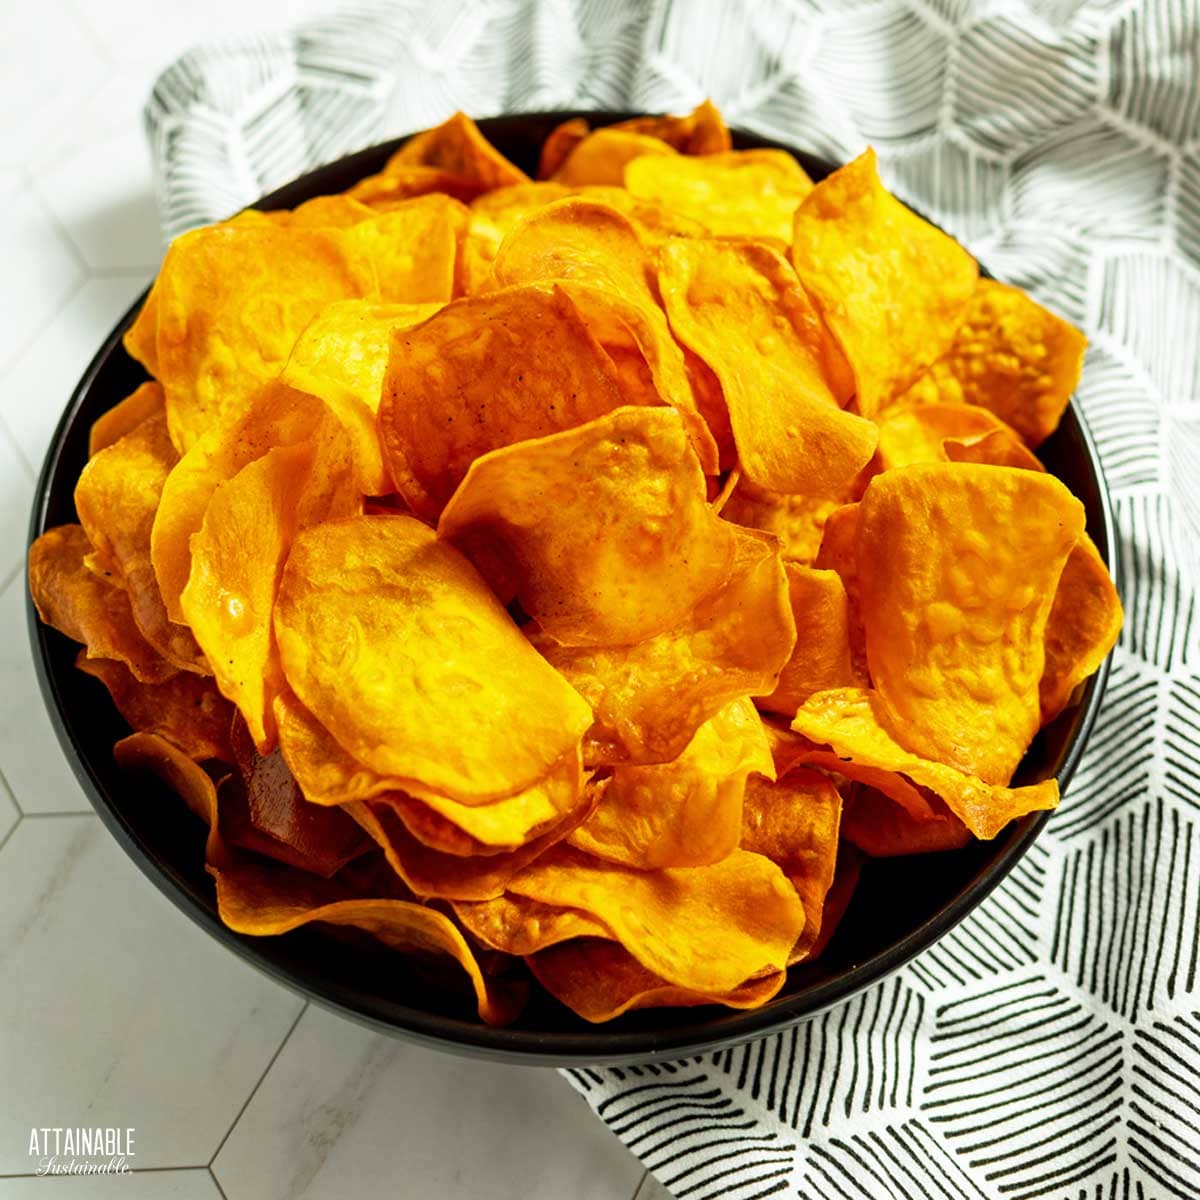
[
  {"x": 216, "y": 1182},
  {"x": 641, "y": 1183},
  {"x": 258, "y": 1084},
  {"x": 7, "y": 788},
  {"x": 79, "y": 812},
  {"x": 63, "y": 232},
  {"x": 18, "y": 352}
]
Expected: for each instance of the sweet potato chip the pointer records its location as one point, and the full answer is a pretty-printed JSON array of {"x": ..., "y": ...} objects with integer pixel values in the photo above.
[
  {"x": 232, "y": 299},
  {"x": 878, "y": 826},
  {"x": 627, "y": 487},
  {"x": 740, "y": 308},
  {"x": 393, "y": 642},
  {"x": 1000, "y": 447},
  {"x": 457, "y": 145},
  {"x": 437, "y": 875},
  {"x": 795, "y": 822},
  {"x": 87, "y": 607},
  {"x": 654, "y": 222},
  {"x": 702, "y": 131},
  {"x": 484, "y": 372},
  {"x": 670, "y": 919},
  {"x": 124, "y": 417},
  {"x": 117, "y": 496},
  {"x": 262, "y": 899},
  {"x": 850, "y": 723},
  {"x": 141, "y": 338},
  {"x": 237, "y": 560},
  {"x": 891, "y": 287},
  {"x": 958, "y": 566},
  {"x": 919, "y": 434},
  {"x": 560, "y": 141},
  {"x": 741, "y": 193},
  {"x": 602, "y": 156},
  {"x": 518, "y": 925},
  {"x": 796, "y": 519},
  {"x": 1084, "y": 622},
  {"x": 185, "y": 709},
  {"x": 578, "y": 241},
  {"x": 1011, "y": 356},
  {"x": 278, "y": 416},
  {"x": 402, "y": 182},
  {"x": 600, "y": 980},
  {"x": 650, "y": 698},
  {"x": 821, "y": 658},
  {"x": 341, "y": 357},
  {"x": 838, "y": 552},
  {"x": 492, "y": 217},
  {"x": 841, "y": 893},
  {"x": 686, "y": 813}
]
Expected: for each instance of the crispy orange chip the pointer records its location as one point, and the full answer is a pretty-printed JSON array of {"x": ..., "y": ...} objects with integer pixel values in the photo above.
[
  {"x": 518, "y": 925},
  {"x": 702, "y": 131},
  {"x": 849, "y": 722},
  {"x": 670, "y": 919},
  {"x": 650, "y": 698},
  {"x": 87, "y": 607},
  {"x": 600, "y": 980},
  {"x": 739, "y": 307},
  {"x": 1082, "y": 627},
  {"x": 602, "y": 156},
  {"x": 628, "y": 487},
  {"x": 561, "y": 140},
  {"x": 578, "y": 241},
  {"x": 140, "y": 405},
  {"x": 492, "y": 217},
  {"x": 919, "y": 435},
  {"x": 740, "y": 193},
  {"x": 117, "y": 497},
  {"x": 262, "y": 899},
  {"x": 686, "y": 813},
  {"x": 401, "y": 182},
  {"x": 958, "y": 566},
  {"x": 457, "y": 145},
  {"x": 874, "y": 823},
  {"x": 1009, "y": 355},
  {"x": 890, "y": 286},
  {"x": 393, "y": 642},
  {"x": 821, "y": 658},
  {"x": 185, "y": 709},
  {"x": 796, "y": 519},
  {"x": 838, "y": 552},
  {"x": 237, "y": 559},
  {"x": 484, "y": 372},
  {"x": 795, "y": 823}
]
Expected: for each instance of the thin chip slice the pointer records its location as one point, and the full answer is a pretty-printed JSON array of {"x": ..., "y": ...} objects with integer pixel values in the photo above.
[
  {"x": 579, "y": 241},
  {"x": 457, "y": 145},
  {"x": 237, "y": 559},
  {"x": 278, "y": 416},
  {"x": 392, "y": 187},
  {"x": 394, "y": 643},
  {"x": 821, "y": 658},
  {"x": 708, "y": 929},
  {"x": 686, "y": 813},
  {"x": 795, "y": 822},
  {"x": 1011, "y": 356},
  {"x": 741, "y": 193},
  {"x": 492, "y": 217},
  {"x": 560, "y": 141},
  {"x": 602, "y": 156},
  {"x": 796, "y": 519},
  {"x": 87, "y": 607},
  {"x": 838, "y": 552},
  {"x": 958, "y": 566},
  {"x": 600, "y": 980},
  {"x": 484, "y": 372},
  {"x": 627, "y": 487},
  {"x": 232, "y": 299},
  {"x": 702, "y": 131},
  {"x": 891, "y": 287},
  {"x": 919, "y": 434},
  {"x": 740, "y": 308},
  {"x": 848, "y": 721},
  {"x": 341, "y": 357},
  {"x": 1082, "y": 627},
  {"x": 117, "y": 497},
  {"x": 265, "y": 899},
  {"x": 518, "y": 925},
  {"x": 881, "y": 828},
  {"x": 140, "y": 405},
  {"x": 650, "y": 698}
]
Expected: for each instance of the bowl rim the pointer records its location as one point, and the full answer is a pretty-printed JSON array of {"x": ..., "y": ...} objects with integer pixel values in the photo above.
[{"x": 593, "y": 1045}]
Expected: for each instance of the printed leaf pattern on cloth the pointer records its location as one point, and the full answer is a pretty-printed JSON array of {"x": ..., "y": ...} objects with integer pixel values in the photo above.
[{"x": 1050, "y": 1046}]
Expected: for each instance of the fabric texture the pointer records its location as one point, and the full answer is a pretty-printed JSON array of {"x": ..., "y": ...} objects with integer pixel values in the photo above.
[{"x": 1049, "y": 1046}]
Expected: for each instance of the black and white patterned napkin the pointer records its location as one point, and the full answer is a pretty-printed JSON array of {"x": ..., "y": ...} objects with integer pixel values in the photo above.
[{"x": 1050, "y": 1046}]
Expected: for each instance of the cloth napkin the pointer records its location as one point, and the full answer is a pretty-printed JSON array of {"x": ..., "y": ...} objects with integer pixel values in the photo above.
[{"x": 1049, "y": 1046}]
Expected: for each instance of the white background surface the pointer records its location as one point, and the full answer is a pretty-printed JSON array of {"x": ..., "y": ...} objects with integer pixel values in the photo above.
[{"x": 114, "y": 1009}]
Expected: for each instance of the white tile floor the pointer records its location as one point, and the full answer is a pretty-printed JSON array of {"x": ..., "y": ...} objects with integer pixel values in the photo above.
[{"x": 114, "y": 1009}]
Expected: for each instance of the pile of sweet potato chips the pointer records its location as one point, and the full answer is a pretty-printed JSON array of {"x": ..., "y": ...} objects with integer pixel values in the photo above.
[{"x": 576, "y": 577}]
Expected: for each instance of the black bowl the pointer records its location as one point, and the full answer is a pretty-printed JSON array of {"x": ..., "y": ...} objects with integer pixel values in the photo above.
[{"x": 901, "y": 907}]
